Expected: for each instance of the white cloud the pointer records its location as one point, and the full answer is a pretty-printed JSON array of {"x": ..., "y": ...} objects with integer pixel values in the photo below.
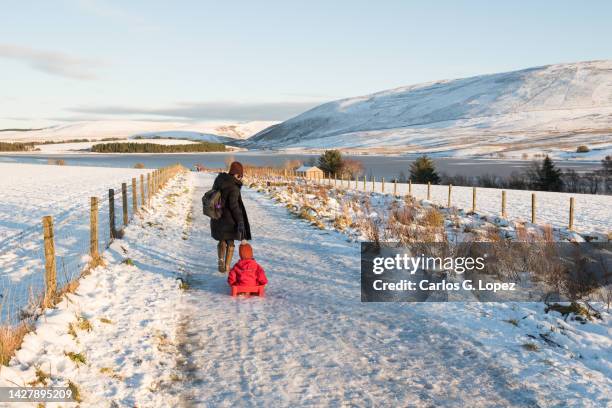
[{"x": 50, "y": 62}]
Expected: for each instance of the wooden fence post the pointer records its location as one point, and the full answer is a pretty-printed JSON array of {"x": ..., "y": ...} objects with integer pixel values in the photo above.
[
  {"x": 533, "y": 208},
  {"x": 373, "y": 184},
  {"x": 111, "y": 214},
  {"x": 382, "y": 187},
  {"x": 142, "y": 191},
  {"x": 148, "y": 189},
  {"x": 410, "y": 187},
  {"x": 50, "y": 268},
  {"x": 134, "y": 196},
  {"x": 394, "y": 187},
  {"x": 571, "y": 214},
  {"x": 450, "y": 189},
  {"x": 365, "y": 187},
  {"x": 124, "y": 203},
  {"x": 473, "y": 199},
  {"x": 503, "y": 204},
  {"x": 93, "y": 230},
  {"x": 429, "y": 191}
]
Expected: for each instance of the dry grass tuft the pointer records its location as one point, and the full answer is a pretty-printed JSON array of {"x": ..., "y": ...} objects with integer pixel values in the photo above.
[
  {"x": 42, "y": 378},
  {"x": 76, "y": 358},
  {"x": 83, "y": 323},
  {"x": 111, "y": 373},
  {"x": 530, "y": 347},
  {"x": 10, "y": 340},
  {"x": 76, "y": 392},
  {"x": 433, "y": 218}
]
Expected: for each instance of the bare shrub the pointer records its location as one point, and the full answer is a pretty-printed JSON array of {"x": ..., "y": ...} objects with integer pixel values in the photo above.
[
  {"x": 292, "y": 164},
  {"x": 352, "y": 168},
  {"x": 583, "y": 149},
  {"x": 56, "y": 162},
  {"x": 403, "y": 215},
  {"x": 369, "y": 227}
]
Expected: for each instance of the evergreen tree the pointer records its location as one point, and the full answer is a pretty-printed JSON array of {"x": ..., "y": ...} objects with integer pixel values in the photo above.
[
  {"x": 423, "y": 170},
  {"x": 545, "y": 176},
  {"x": 331, "y": 162}
]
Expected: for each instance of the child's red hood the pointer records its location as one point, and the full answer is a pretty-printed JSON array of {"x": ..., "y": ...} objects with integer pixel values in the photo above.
[{"x": 246, "y": 263}]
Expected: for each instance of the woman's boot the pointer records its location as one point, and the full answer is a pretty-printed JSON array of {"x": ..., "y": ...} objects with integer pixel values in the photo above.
[
  {"x": 229, "y": 254},
  {"x": 221, "y": 250}
]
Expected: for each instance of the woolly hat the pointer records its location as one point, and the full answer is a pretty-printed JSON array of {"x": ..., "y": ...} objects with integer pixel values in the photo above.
[
  {"x": 236, "y": 169},
  {"x": 245, "y": 251}
]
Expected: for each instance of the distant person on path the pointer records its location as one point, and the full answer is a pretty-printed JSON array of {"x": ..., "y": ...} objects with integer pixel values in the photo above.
[
  {"x": 247, "y": 272},
  {"x": 234, "y": 223}
]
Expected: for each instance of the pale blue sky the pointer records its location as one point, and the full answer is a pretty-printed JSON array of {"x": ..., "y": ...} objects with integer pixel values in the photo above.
[{"x": 241, "y": 60}]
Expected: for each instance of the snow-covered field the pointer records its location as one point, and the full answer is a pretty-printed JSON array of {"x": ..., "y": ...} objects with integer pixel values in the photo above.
[
  {"x": 309, "y": 342},
  {"x": 30, "y": 192},
  {"x": 96, "y": 130},
  {"x": 551, "y": 109}
]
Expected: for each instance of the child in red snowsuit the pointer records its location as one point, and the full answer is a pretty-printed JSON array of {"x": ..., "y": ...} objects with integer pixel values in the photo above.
[{"x": 246, "y": 272}]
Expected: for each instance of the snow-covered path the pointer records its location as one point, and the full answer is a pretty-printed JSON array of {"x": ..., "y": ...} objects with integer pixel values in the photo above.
[{"x": 311, "y": 341}]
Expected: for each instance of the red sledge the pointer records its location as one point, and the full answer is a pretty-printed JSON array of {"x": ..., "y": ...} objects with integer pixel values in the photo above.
[{"x": 249, "y": 290}]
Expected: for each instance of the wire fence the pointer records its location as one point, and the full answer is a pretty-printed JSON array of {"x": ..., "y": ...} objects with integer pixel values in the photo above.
[
  {"x": 586, "y": 213},
  {"x": 41, "y": 262}
]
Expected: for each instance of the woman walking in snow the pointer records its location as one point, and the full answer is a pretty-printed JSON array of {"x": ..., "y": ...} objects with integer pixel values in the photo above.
[{"x": 234, "y": 223}]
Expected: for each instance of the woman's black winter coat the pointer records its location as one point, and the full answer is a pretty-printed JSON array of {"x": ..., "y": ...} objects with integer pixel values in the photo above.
[{"x": 234, "y": 212}]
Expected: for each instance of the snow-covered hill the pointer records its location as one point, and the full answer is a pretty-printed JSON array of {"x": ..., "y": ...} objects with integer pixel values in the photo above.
[
  {"x": 555, "y": 106},
  {"x": 94, "y": 130}
]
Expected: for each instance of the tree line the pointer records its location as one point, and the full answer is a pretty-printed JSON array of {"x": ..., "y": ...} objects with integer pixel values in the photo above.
[
  {"x": 542, "y": 175},
  {"x": 157, "y": 148},
  {"x": 16, "y": 147}
]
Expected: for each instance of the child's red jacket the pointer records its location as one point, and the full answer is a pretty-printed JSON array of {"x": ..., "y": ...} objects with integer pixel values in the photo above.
[{"x": 247, "y": 272}]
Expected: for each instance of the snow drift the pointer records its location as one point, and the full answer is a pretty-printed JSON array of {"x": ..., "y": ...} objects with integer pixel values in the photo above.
[{"x": 555, "y": 105}]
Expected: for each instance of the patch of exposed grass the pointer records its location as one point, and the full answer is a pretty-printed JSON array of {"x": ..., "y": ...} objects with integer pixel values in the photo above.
[
  {"x": 76, "y": 393},
  {"x": 42, "y": 378},
  {"x": 72, "y": 331},
  {"x": 183, "y": 285},
  {"x": 513, "y": 322},
  {"x": 128, "y": 261},
  {"x": 105, "y": 320},
  {"x": 573, "y": 308},
  {"x": 83, "y": 323},
  {"x": 530, "y": 346},
  {"x": 76, "y": 358},
  {"x": 111, "y": 373}
]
